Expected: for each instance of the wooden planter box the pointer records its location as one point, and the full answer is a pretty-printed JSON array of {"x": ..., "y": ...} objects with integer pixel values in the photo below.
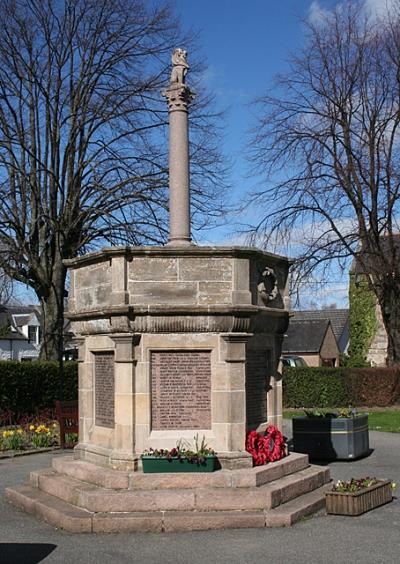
[
  {"x": 329, "y": 438},
  {"x": 338, "y": 503},
  {"x": 154, "y": 464}
]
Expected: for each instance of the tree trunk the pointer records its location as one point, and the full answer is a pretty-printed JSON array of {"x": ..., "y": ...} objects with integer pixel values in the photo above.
[
  {"x": 52, "y": 302},
  {"x": 390, "y": 306}
]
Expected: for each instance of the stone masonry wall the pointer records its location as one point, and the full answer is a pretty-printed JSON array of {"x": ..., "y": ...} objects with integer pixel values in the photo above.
[{"x": 184, "y": 281}]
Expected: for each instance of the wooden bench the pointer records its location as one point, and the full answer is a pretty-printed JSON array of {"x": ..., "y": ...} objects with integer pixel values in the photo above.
[{"x": 68, "y": 418}]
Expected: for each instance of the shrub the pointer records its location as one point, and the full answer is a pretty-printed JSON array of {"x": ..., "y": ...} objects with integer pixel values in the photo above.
[
  {"x": 374, "y": 386},
  {"x": 314, "y": 387},
  {"x": 29, "y": 387},
  {"x": 336, "y": 387}
]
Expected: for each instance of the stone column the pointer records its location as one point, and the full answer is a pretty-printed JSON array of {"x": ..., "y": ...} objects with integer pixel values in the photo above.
[
  {"x": 124, "y": 436},
  {"x": 179, "y": 96},
  {"x": 229, "y": 404}
]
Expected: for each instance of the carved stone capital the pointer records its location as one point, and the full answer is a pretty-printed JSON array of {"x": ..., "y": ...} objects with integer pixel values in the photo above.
[
  {"x": 179, "y": 97},
  {"x": 125, "y": 347}
]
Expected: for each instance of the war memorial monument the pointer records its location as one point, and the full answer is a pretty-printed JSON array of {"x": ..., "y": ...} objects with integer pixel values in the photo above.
[{"x": 175, "y": 341}]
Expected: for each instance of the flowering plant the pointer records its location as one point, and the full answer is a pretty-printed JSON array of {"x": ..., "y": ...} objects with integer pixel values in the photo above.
[
  {"x": 343, "y": 412},
  {"x": 266, "y": 448},
  {"x": 356, "y": 484},
  {"x": 40, "y": 435},
  {"x": 36, "y": 435},
  {"x": 12, "y": 439},
  {"x": 183, "y": 450}
]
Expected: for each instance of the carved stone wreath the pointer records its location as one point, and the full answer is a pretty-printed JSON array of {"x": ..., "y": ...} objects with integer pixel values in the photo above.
[{"x": 268, "y": 287}]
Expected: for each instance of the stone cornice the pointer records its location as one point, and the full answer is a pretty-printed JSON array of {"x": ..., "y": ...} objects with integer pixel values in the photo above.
[
  {"x": 209, "y": 319},
  {"x": 176, "y": 251},
  {"x": 165, "y": 310}
]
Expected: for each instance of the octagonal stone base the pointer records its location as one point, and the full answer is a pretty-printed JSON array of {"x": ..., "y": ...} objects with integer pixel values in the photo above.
[{"x": 176, "y": 344}]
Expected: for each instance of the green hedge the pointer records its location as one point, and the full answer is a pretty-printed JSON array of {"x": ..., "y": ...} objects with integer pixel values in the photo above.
[
  {"x": 374, "y": 386},
  {"x": 27, "y": 387},
  {"x": 338, "y": 387},
  {"x": 314, "y": 387}
]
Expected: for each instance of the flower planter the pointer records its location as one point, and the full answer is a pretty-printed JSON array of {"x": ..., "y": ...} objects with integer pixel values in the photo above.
[
  {"x": 329, "y": 438},
  {"x": 338, "y": 503},
  {"x": 157, "y": 464}
]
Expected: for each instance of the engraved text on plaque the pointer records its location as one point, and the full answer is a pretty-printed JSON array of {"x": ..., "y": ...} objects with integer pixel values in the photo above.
[
  {"x": 258, "y": 373},
  {"x": 181, "y": 390},
  {"x": 104, "y": 389}
]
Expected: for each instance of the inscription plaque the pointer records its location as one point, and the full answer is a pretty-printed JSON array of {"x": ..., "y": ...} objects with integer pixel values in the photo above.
[
  {"x": 181, "y": 390},
  {"x": 258, "y": 373},
  {"x": 104, "y": 389}
]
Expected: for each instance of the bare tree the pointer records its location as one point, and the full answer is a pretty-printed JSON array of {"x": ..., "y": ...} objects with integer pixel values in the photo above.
[
  {"x": 5, "y": 288},
  {"x": 328, "y": 146},
  {"x": 83, "y": 152}
]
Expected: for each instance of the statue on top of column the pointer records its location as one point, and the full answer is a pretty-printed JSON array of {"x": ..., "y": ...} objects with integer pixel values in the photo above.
[{"x": 180, "y": 66}]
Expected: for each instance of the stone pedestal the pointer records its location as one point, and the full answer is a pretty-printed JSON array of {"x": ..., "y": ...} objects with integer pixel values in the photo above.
[{"x": 176, "y": 342}]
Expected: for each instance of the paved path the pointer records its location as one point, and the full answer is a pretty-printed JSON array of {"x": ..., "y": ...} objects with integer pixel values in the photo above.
[{"x": 373, "y": 538}]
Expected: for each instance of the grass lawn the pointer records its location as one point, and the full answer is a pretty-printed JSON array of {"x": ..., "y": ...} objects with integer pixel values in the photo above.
[{"x": 378, "y": 419}]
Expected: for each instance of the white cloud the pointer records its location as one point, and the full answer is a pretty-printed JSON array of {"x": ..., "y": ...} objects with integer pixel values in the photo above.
[
  {"x": 317, "y": 13},
  {"x": 376, "y": 9},
  {"x": 379, "y": 8}
]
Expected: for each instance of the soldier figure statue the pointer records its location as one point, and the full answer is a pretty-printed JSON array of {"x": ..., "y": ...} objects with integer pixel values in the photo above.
[{"x": 180, "y": 66}]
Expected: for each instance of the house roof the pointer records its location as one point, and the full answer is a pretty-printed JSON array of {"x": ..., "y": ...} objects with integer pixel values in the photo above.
[
  {"x": 305, "y": 336},
  {"x": 6, "y": 325},
  {"x": 23, "y": 314},
  {"x": 21, "y": 320},
  {"x": 337, "y": 317}
]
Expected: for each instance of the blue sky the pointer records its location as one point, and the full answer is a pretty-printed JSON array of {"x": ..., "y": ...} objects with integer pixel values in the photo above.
[{"x": 246, "y": 45}]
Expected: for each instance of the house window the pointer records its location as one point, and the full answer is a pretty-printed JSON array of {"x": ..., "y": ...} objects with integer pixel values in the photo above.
[{"x": 32, "y": 334}]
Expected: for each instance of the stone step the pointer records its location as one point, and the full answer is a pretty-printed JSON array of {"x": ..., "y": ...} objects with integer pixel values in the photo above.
[
  {"x": 75, "y": 520},
  {"x": 63, "y": 487},
  {"x": 91, "y": 473},
  {"x": 289, "y": 513},
  {"x": 117, "y": 479},
  {"x": 51, "y": 509},
  {"x": 267, "y": 496},
  {"x": 291, "y": 487},
  {"x": 177, "y": 521},
  {"x": 97, "y": 499}
]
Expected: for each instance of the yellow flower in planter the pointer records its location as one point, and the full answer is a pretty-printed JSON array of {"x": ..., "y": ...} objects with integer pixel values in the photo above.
[
  {"x": 31, "y": 427},
  {"x": 42, "y": 429},
  {"x": 20, "y": 431}
]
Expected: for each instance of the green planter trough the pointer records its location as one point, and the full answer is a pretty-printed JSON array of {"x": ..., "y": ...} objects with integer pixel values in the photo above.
[
  {"x": 154, "y": 464},
  {"x": 330, "y": 438}
]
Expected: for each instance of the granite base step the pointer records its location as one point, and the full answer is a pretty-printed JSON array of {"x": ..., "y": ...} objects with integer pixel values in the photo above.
[
  {"x": 98, "y": 499},
  {"x": 79, "y": 496},
  {"x": 51, "y": 509},
  {"x": 66, "y": 516},
  {"x": 118, "y": 479}
]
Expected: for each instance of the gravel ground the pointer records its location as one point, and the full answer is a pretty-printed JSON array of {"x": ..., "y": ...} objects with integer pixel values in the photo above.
[{"x": 372, "y": 538}]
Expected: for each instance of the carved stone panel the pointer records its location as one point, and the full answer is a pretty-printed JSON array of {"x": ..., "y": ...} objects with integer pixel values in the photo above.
[
  {"x": 181, "y": 390},
  {"x": 104, "y": 389},
  {"x": 258, "y": 374}
]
